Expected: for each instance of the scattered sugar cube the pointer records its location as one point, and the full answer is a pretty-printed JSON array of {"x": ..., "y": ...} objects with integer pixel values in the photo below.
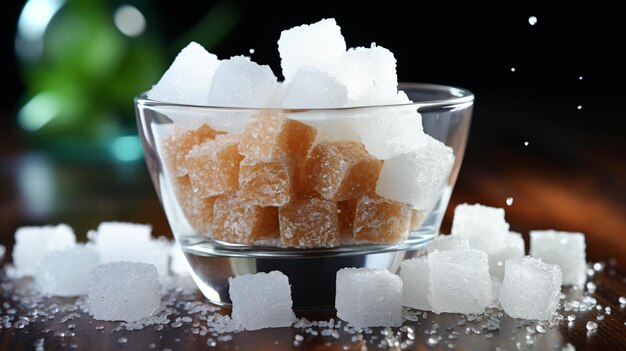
[
  {"x": 381, "y": 221},
  {"x": 417, "y": 178},
  {"x": 415, "y": 276},
  {"x": 342, "y": 170},
  {"x": 319, "y": 45},
  {"x": 417, "y": 218},
  {"x": 213, "y": 166},
  {"x": 369, "y": 297},
  {"x": 236, "y": 221},
  {"x": 482, "y": 226},
  {"x": 265, "y": 183},
  {"x": 189, "y": 78},
  {"x": 125, "y": 291},
  {"x": 197, "y": 210},
  {"x": 309, "y": 222},
  {"x": 239, "y": 82},
  {"x": 261, "y": 300},
  {"x": 511, "y": 246},
  {"x": 178, "y": 143},
  {"x": 448, "y": 243},
  {"x": 459, "y": 281},
  {"x": 66, "y": 272},
  {"x": 312, "y": 88},
  {"x": 33, "y": 243},
  {"x": 566, "y": 249},
  {"x": 530, "y": 289}
]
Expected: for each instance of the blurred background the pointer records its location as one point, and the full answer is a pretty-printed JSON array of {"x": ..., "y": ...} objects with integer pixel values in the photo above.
[{"x": 547, "y": 139}]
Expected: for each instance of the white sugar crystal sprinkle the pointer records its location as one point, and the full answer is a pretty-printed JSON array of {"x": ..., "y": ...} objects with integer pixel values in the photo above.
[
  {"x": 532, "y": 20},
  {"x": 592, "y": 326}
]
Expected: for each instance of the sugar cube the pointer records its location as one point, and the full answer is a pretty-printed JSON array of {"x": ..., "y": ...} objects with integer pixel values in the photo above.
[
  {"x": 312, "y": 88},
  {"x": 530, "y": 289},
  {"x": 381, "y": 221},
  {"x": 369, "y": 297},
  {"x": 482, "y": 226},
  {"x": 261, "y": 300},
  {"x": 65, "y": 272},
  {"x": 417, "y": 178},
  {"x": 125, "y": 291},
  {"x": 33, "y": 243},
  {"x": 239, "y": 82},
  {"x": 236, "y": 221},
  {"x": 448, "y": 243},
  {"x": 565, "y": 249},
  {"x": 197, "y": 210},
  {"x": 511, "y": 246},
  {"x": 188, "y": 79},
  {"x": 323, "y": 49},
  {"x": 309, "y": 222},
  {"x": 459, "y": 281},
  {"x": 265, "y": 183},
  {"x": 177, "y": 144},
  {"x": 415, "y": 278}
]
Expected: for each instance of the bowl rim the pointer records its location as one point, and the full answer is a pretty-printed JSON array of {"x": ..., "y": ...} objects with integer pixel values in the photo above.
[{"x": 460, "y": 96}]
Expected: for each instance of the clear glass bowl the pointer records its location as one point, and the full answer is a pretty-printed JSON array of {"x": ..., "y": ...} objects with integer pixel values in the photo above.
[{"x": 446, "y": 115}]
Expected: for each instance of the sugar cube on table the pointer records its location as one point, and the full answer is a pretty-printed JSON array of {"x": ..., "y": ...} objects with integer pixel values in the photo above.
[
  {"x": 213, "y": 166},
  {"x": 323, "y": 49},
  {"x": 459, "y": 281},
  {"x": 309, "y": 222},
  {"x": 239, "y": 82},
  {"x": 448, "y": 243},
  {"x": 236, "y": 221},
  {"x": 177, "y": 144},
  {"x": 417, "y": 178},
  {"x": 530, "y": 289},
  {"x": 197, "y": 210},
  {"x": 126, "y": 291},
  {"x": 266, "y": 183},
  {"x": 312, "y": 88},
  {"x": 66, "y": 272},
  {"x": 482, "y": 226},
  {"x": 511, "y": 246},
  {"x": 369, "y": 297},
  {"x": 415, "y": 278},
  {"x": 189, "y": 78},
  {"x": 33, "y": 243},
  {"x": 342, "y": 170},
  {"x": 261, "y": 300},
  {"x": 381, "y": 221},
  {"x": 566, "y": 249}
]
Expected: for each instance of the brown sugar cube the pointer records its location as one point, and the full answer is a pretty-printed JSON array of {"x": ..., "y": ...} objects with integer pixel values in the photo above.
[
  {"x": 273, "y": 137},
  {"x": 381, "y": 221},
  {"x": 346, "y": 216},
  {"x": 198, "y": 211},
  {"x": 342, "y": 170},
  {"x": 417, "y": 218},
  {"x": 236, "y": 221},
  {"x": 177, "y": 144},
  {"x": 213, "y": 166},
  {"x": 309, "y": 222},
  {"x": 265, "y": 183}
]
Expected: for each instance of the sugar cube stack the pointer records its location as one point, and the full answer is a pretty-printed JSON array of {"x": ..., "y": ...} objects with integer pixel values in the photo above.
[
  {"x": 312, "y": 88},
  {"x": 33, "y": 243},
  {"x": 124, "y": 291},
  {"x": 415, "y": 278},
  {"x": 261, "y": 300},
  {"x": 565, "y": 249},
  {"x": 530, "y": 289},
  {"x": 66, "y": 272}
]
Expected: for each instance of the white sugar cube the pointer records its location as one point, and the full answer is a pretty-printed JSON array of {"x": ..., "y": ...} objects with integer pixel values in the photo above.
[
  {"x": 511, "y": 246},
  {"x": 33, "y": 243},
  {"x": 239, "y": 82},
  {"x": 369, "y": 297},
  {"x": 261, "y": 300},
  {"x": 459, "y": 281},
  {"x": 66, "y": 272},
  {"x": 312, "y": 88},
  {"x": 188, "y": 79},
  {"x": 319, "y": 45},
  {"x": 448, "y": 243},
  {"x": 530, "y": 289},
  {"x": 414, "y": 274},
  {"x": 566, "y": 249},
  {"x": 124, "y": 291},
  {"x": 417, "y": 178},
  {"x": 482, "y": 226}
]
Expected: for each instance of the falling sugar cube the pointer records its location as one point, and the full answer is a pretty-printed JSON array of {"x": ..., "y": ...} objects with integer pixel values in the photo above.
[
  {"x": 189, "y": 78},
  {"x": 369, "y": 297},
  {"x": 309, "y": 222},
  {"x": 565, "y": 249},
  {"x": 123, "y": 291},
  {"x": 66, "y": 272},
  {"x": 237, "y": 221},
  {"x": 511, "y": 246},
  {"x": 448, "y": 243},
  {"x": 415, "y": 278},
  {"x": 459, "y": 281},
  {"x": 33, "y": 243},
  {"x": 381, "y": 221},
  {"x": 312, "y": 88},
  {"x": 482, "y": 226},
  {"x": 530, "y": 289},
  {"x": 261, "y": 300}
]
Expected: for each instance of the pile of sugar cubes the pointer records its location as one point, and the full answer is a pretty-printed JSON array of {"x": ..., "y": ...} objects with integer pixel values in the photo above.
[{"x": 298, "y": 174}]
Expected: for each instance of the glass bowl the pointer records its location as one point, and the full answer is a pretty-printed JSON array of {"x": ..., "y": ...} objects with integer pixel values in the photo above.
[{"x": 197, "y": 225}]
